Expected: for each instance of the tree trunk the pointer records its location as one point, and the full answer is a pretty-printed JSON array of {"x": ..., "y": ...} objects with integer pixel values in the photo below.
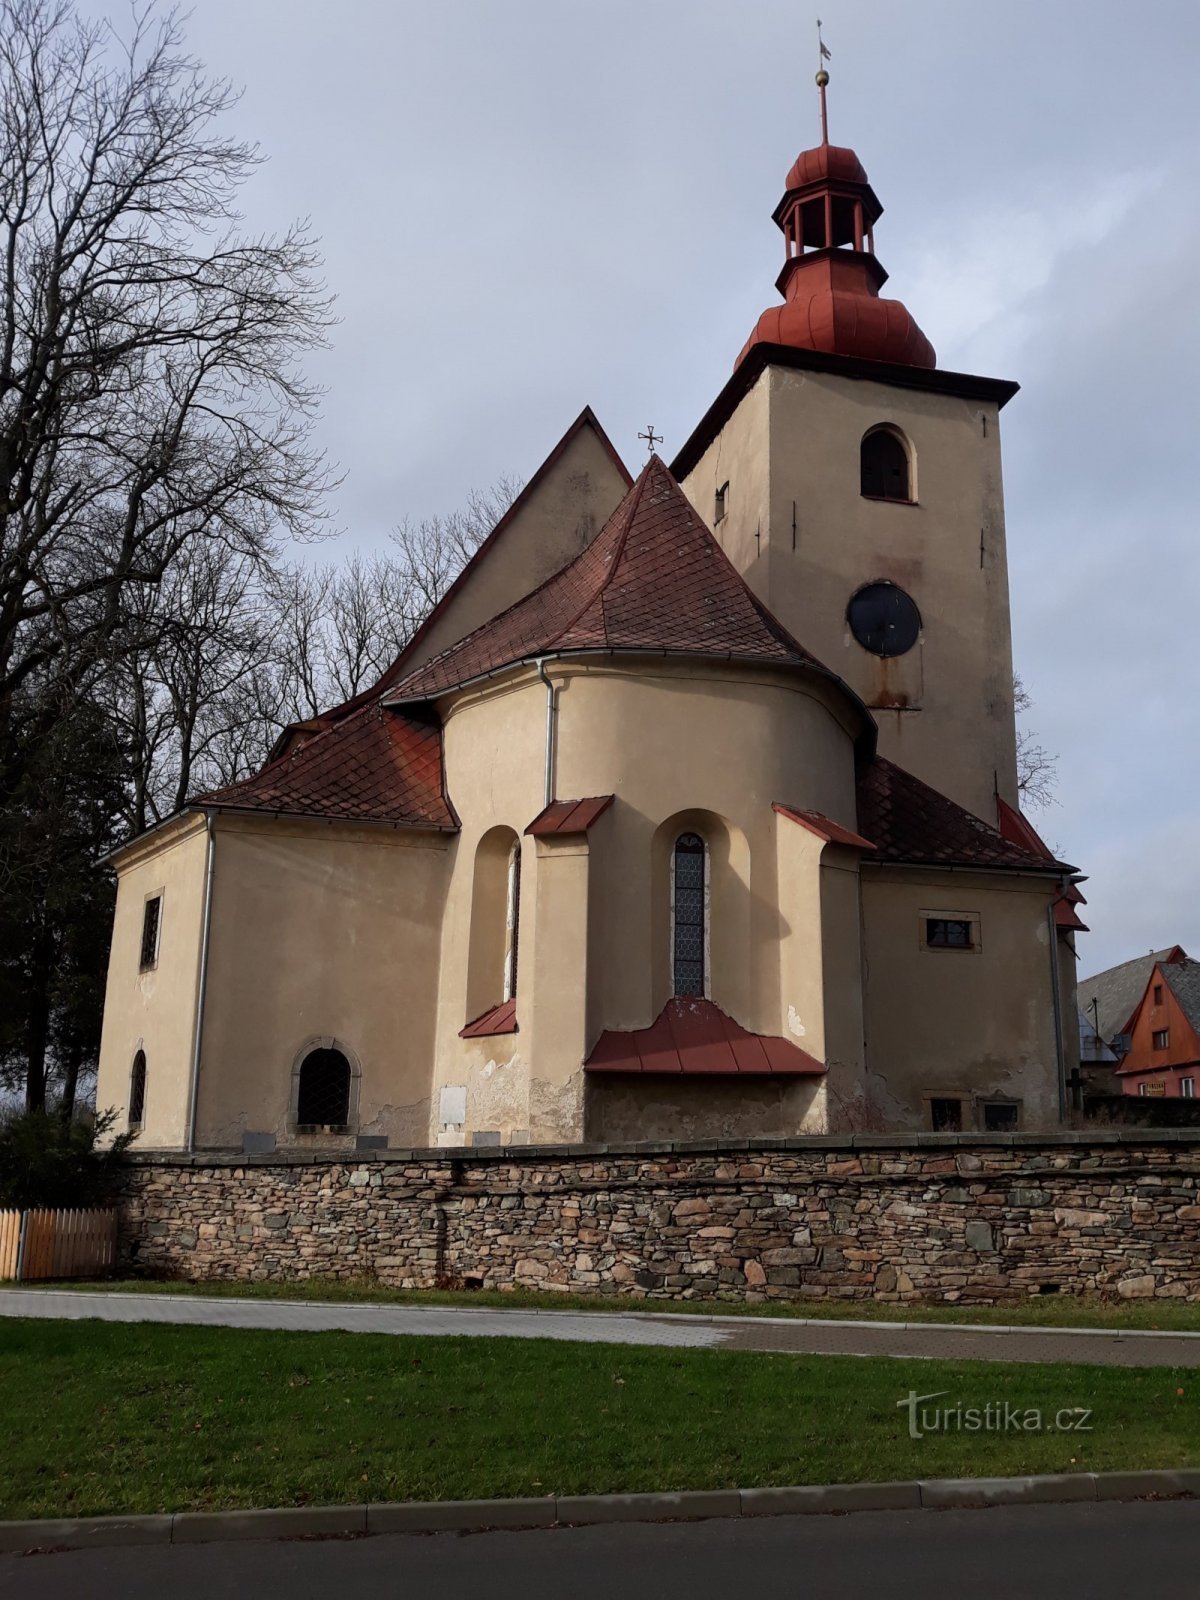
[
  {"x": 38, "y": 1022},
  {"x": 70, "y": 1083}
]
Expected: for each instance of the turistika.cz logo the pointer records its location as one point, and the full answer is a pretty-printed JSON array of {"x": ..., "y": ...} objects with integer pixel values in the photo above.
[{"x": 996, "y": 1416}]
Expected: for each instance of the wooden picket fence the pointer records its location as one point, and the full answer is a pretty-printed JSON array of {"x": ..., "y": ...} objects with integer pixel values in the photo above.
[{"x": 57, "y": 1244}]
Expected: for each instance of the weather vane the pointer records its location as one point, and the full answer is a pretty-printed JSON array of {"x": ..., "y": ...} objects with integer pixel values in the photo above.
[{"x": 651, "y": 438}]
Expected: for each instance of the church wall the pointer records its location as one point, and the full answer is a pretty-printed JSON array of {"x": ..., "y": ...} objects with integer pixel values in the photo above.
[
  {"x": 557, "y": 518},
  {"x": 321, "y": 934},
  {"x": 973, "y": 1023},
  {"x": 683, "y": 747},
  {"x": 155, "y": 1011},
  {"x": 945, "y": 709}
]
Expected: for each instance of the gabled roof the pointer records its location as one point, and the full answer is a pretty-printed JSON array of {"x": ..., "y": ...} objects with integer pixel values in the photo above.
[
  {"x": 653, "y": 579},
  {"x": 1111, "y": 997},
  {"x": 376, "y": 765},
  {"x": 909, "y": 822},
  {"x": 695, "y": 1036},
  {"x": 1183, "y": 980}
]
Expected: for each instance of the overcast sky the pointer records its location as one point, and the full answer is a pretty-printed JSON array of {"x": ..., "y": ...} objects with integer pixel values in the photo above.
[{"x": 527, "y": 206}]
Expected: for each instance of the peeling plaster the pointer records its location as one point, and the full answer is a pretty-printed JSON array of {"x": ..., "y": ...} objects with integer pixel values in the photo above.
[{"x": 795, "y": 1026}]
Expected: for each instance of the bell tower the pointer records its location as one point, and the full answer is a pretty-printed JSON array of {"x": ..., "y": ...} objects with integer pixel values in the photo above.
[{"x": 857, "y": 487}]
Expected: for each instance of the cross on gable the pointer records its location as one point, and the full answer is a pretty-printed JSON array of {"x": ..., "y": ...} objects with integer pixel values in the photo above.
[{"x": 651, "y": 438}]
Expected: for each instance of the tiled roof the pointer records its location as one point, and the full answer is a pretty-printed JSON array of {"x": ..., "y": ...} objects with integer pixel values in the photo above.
[
  {"x": 378, "y": 765},
  {"x": 654, "y": 578},
  {"x": 908, "y": 821},
  {"x": 1184, "y": 980},
  {"x": 817, "y": 822},
  {"x": 1111, "y": 997},
  {"x": 569, "y": 816},
  {"x": 695, "y": 1036}
]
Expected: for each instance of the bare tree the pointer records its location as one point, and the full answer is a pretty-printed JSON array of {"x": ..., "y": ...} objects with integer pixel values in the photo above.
[
  {"x": 432, "y": 553},
  {"x": 150, "y": 397},
  {"x": 1037, "y": 769}
]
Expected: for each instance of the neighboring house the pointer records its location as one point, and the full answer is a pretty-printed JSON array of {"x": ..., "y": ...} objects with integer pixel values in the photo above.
[
  {"x": 1098, "y": 1061},
  {"x": 1162, "y": 1055},
  {"x": 690, "y": 812},
  {"x": 1109, "y": 998}
]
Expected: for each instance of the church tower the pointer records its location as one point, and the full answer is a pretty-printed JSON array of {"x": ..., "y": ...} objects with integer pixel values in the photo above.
[{"x": 857, "y": 487}]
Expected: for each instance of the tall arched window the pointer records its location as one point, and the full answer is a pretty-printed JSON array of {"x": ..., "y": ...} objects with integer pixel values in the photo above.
[
  {"x": 323, "y": 1092},
  {"x": 512, "y": 922},
  {"x": 885, "y": 465},
  {"x": 137, "y": 1091},
  {"x": 689, "y": 914}
]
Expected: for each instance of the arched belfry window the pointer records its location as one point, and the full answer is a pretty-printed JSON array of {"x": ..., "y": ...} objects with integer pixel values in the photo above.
[
  {"x": 689, "y": 915},
  {"x": 512, "y": 922},
  {"x": 886, "y": 465},
  {"x": 137, "y": 1091},
  {"x": 323, "y": 1091}
]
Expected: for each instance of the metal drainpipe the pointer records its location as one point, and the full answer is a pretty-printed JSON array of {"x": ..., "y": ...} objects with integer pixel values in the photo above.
[
  {"x": 198, "y": 1029},
  {"x": 1058, "y": 1025},
  {"x": 551, "y": 719}
]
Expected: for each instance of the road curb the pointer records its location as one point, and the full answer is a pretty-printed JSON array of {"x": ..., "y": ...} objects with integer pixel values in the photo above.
[{"x": 478, "y": 1516}]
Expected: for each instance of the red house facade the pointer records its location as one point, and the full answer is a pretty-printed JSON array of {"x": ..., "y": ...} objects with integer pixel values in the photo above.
[{"x": 1163, "y": 1058}]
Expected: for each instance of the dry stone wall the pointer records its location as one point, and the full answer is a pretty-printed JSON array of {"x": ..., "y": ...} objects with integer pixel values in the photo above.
[{"x": 971, "y": 1218}]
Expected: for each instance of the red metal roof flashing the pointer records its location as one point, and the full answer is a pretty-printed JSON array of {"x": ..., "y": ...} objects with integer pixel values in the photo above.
[
  {"x": 500, "y": 1019},
  {"x": 693, "y": 1036},
  {"x": 816, "y": 822},
  {"x": 569, "y": 816}
]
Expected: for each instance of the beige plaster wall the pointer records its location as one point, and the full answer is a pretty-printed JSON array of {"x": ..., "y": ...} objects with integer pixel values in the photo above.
[
  {"x": 320, "y": 933},
  {"x": 623, "y": 1109},
  {"x": 155, "y": 1010},
  {"x": 594, "y": 938},
  {"x": 945, "y": 710},
  {"x": 950, "y": 1022},
  {"x": 556, "y": 518}
]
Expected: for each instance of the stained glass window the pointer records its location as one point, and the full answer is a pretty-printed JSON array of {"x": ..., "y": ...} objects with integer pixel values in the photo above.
[{"x": 689, "y": 914}]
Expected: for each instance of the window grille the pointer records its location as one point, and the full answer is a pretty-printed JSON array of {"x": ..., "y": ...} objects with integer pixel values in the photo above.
[
  {"x": 948, "y": 933},
  {"x": 884, "y": 467},
  {"x": 946, "y": 1116},
  {"x": 323, "y": 1094},
  {"x": 513, "y": 921},
  {"x": 137, "y": 1089},
  {"x": 151, "y": 917}
]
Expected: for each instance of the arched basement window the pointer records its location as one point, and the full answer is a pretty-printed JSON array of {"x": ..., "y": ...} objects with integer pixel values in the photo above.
[
  {"x": 689, "y": 914},
  {"x": 323, "y": 1093},
  {"x": 512, "y": 922},
  {"x": 884, "y": 465},
  {"x": 137, "y": 1090}
]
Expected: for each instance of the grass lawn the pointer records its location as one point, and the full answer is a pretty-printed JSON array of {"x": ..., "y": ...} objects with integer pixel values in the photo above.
[
  {"x": 106, "y": 1418},
  {"x": 1046, "y": 1311}
]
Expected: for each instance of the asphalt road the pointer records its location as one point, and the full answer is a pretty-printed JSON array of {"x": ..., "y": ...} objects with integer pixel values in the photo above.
[
  {"x": 788, "y": 1335},
  {"x": 1098, "y": 1551}
]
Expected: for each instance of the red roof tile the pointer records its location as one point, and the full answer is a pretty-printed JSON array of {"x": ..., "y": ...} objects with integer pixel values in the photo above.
[
  {"x": 378, "y": 765},
  {"x": 654, "y": 578},
  {"x": 908, "y": 821},
  {"x": 500, "y": 1019},
  {"x": 696, "y": 1037},
  {"x": 816, "y": 822},
  {"x": 569, "y": 816}
]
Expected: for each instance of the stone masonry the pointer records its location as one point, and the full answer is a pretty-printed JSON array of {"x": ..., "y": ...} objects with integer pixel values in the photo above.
[{"x": 947, "y": 1217}]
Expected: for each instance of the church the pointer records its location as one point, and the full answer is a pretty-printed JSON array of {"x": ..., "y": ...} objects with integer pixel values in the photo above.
[{"x": 691, "y": 811}]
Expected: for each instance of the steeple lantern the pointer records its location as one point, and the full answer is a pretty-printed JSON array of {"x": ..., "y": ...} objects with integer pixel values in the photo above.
[{"x": 831, "y": 277}]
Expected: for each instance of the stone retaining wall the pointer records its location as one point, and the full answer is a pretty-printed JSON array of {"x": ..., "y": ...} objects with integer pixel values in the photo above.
[{"x": 978, "y": 1218}]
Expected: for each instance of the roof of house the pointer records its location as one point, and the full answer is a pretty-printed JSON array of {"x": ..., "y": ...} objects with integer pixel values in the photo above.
[
  {"x": 1183, "y": 979},
  {"x": 691, "y": 1035},
  {"x": 1110, "y": 997},
  {"x": 907, "y": 821},
  {"x": 653, "y": 579},
  {"x": 376, "y": 765}
]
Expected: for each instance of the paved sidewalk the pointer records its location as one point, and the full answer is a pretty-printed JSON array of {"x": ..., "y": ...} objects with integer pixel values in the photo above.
[{"x": 943, "y": 1342}]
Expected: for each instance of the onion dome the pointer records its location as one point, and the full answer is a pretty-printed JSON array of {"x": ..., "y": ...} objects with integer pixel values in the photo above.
[{"x": 831, "y": 277}]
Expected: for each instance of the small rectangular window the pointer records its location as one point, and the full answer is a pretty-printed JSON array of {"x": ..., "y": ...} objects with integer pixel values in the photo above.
[
  {"x": 946, "y": 1116},
  {"x": 722, "y": 504},
  {"x": 151, "y": 918},
  {"x": 949, "y": 933},
  {"x": 1000, "y": 1117},
  {"x": 1187, "y": 1088},
  {"x": 1142, "y": 1088},
  {"x": 1161, "y": 1038},
  {"x": 1158, "y": 994}
]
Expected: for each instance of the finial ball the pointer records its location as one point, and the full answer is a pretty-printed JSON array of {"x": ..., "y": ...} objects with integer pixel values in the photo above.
[{"x": 822, "y": 78}]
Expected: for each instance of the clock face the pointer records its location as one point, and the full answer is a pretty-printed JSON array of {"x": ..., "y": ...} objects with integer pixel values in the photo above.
[{"x": 884, "y": 619}]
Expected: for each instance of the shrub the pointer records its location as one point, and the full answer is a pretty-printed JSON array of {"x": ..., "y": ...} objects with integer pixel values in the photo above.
[{"x": 48, "y": 1163}]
